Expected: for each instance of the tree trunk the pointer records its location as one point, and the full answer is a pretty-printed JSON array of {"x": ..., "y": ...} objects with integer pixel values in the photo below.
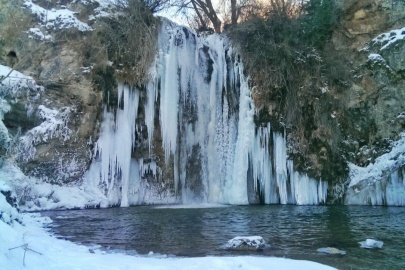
[
  {"x": 234, "y": 13},
  {"x": 207, "y": 7}
]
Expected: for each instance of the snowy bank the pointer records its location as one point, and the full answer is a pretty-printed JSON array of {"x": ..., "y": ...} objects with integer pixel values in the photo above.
[{"x": 46, "y": 252}]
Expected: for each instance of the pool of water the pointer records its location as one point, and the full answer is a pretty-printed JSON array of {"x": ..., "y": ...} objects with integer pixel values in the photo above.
[{"x": 291, "y": 231}]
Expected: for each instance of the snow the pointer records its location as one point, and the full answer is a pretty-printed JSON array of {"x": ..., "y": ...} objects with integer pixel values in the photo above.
[
  {"x": 246, "y": 243},
  {"x": 13, "y": 85},
  {"x": 47, "y": 252},
  {"x": 15, "y": 81},
  {"x": 371, "y": 243},
  {"x": 55, "y": 125},
  {"x": 382, "y": 182},
  {"x": 389, "y": 38},
  {"x": 106, "y": 8},
  {"x": 38, "y": 195},
  {"x": 375, "y": 57},
  {"x": 56, "y": 19},
  {"x": 38, "y": 34}
]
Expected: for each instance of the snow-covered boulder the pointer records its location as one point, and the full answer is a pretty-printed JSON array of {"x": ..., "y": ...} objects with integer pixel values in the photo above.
[
  {"x": 331, "y": 250},
  {"x": 246, "y": 243},
  {"x": 371, "y": 243},
  {"x": 8, "y": 210}
]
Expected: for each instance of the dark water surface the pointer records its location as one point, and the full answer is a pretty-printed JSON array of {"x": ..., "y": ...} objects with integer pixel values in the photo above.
[{"x": 292, "y": 231}]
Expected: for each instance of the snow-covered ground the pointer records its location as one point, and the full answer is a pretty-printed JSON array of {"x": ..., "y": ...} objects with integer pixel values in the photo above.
[{"x": 44, "y": 251}]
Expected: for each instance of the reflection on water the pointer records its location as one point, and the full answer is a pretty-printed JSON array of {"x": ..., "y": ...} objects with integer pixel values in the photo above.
[{"x": 292, "y": 231}]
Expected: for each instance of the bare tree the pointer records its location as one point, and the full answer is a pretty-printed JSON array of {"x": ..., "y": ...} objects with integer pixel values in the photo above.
[{"x": 201, "y": 8}]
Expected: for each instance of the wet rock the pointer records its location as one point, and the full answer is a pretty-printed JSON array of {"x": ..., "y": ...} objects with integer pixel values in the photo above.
[
  {"x": 371, "y": 243},
  {"x": 331, "y": 250},
  {"x": 246, "y": 243}
]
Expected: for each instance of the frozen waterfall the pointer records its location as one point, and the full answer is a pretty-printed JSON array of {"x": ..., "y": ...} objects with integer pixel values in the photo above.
[{"x": 202, "y": 143}]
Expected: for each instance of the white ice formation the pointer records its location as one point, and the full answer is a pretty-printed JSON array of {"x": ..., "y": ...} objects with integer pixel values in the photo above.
[
  {"x": 381, "y": 183},
  {"x": 201, "y": 99}
]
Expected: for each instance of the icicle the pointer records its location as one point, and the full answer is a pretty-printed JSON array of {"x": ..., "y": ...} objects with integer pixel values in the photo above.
[
  {"x": 117, "y": 140},
  {"x": 150, "y": 105},
  {"x": 280, "y": 160}
]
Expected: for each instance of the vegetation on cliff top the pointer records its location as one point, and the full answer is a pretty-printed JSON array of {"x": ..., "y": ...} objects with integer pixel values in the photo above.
[{"x": 296, "y": 74}]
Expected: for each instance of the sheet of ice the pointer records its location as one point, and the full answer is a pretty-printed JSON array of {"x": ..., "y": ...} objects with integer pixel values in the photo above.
[
  {"x": 56, "y": 18},
  {"x": 371, "y": 243}
]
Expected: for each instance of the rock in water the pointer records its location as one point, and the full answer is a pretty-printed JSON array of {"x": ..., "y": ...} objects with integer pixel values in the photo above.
[
  {"x": 246, "y": 243},
  {"x": 331, "y": 250},
  {"x": 371, "y": 243}
]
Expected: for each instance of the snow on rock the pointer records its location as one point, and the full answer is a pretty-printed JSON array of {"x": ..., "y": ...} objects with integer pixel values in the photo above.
[
  {"x": 381, "y": 183},
  {"x": 13, "y": 81},
  {"x": 57, "y": 19},
  {"x": 371, "y": 243},
  {"x": 331, "y": 250},
  {"x": 246, "y": 243},
  {"x": 37, "y": 33},
  {"x": 375, "y": 57},
  {"x": 14, "y": 84},
  {"x": 106, "y": 8},
  {"x": 389, "y": 38},
  {"x": 34, "y": 195},
  {"x": 7, "y": 212},
  {"x": 54, "y": 126}
]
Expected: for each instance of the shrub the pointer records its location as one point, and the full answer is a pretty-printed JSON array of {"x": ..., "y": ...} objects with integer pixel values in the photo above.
[
  {"x": 294, "y": 69},
  {"x": 130, "y": 41}
]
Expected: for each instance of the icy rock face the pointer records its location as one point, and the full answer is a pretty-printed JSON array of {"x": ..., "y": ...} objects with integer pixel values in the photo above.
[
  {"x": 381, "y": 183},
  {"x": 331, "y": 250},
  {"x": 246, "y": 243},
  {"x": 371, "y": 243},
  {"x": 202, "y": 143}
]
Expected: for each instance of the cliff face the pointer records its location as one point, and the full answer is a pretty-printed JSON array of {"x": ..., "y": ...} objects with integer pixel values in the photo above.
[
  {"x": 53, "y": 122},
  {"x": 60, "y": 121},
  {"x": 372, "y": 33}
]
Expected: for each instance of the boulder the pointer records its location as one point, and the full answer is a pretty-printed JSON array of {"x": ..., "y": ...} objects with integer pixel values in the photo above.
[
  {"x": 371, "y": 243},
  {"x": 246, "y": 243}
]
